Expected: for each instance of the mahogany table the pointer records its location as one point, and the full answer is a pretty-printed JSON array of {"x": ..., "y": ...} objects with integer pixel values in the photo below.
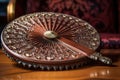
[{"x": 9, "y": 70}]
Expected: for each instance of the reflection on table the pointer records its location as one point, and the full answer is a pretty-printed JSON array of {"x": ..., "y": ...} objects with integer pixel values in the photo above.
[{"x": 11, "y": 71}]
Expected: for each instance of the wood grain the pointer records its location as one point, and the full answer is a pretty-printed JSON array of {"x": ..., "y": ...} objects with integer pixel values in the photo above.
[{"x": 97, "y": 71}]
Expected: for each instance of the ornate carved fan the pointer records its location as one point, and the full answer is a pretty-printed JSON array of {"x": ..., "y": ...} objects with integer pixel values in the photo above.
[{"x": 51, "y": 41}]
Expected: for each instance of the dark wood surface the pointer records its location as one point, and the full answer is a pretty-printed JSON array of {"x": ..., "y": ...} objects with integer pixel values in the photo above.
[{"x": 97, "y": 71}]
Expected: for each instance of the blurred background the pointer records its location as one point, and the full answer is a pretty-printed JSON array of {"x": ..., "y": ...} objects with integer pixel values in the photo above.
[
  {"x": 104, "y": 15},
  {"x": 3, "y": 13}
]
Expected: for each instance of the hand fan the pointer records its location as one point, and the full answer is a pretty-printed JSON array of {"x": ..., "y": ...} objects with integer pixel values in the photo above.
[{"x": 51, "y": 41}]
